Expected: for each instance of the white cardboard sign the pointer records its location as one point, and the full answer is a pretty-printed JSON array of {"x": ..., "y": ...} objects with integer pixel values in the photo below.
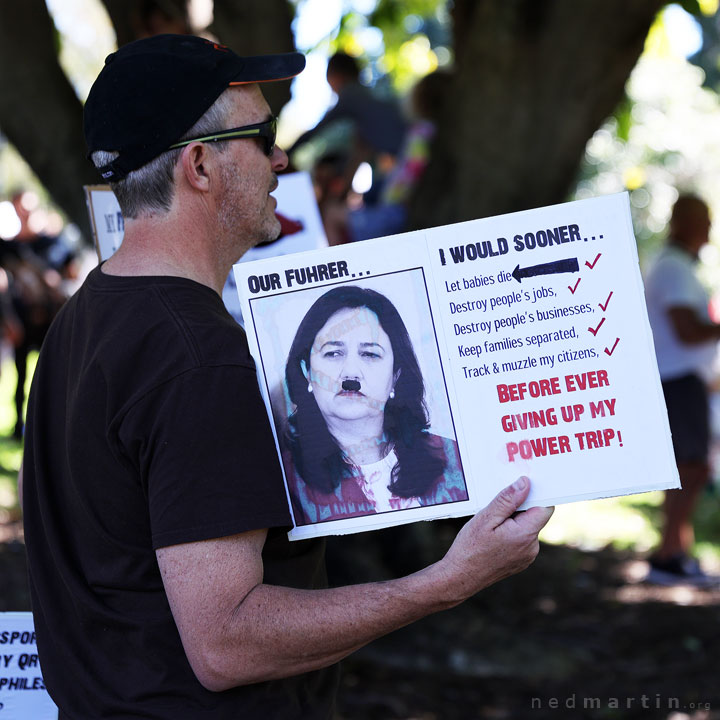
[
  {"x": 532, "y": 339},
  {"x": 106, "y": 220},
  {"x": 22, "y": 690}
]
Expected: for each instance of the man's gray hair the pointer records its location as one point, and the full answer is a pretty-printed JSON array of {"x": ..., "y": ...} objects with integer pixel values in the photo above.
[{"x": 150, "y": 188}]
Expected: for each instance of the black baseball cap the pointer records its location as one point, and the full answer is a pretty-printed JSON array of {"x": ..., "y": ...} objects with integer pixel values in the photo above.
[{"x": 152, "y": 91}]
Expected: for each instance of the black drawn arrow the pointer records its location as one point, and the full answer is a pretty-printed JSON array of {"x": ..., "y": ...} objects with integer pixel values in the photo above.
[{"x": 551, "y": 268}]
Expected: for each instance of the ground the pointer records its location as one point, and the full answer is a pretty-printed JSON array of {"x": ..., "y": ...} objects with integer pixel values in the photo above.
[{"x": 577, "y": 635}]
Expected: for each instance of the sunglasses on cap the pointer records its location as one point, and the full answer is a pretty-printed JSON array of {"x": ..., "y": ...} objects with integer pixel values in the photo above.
[{"x": 266, "y": 130}]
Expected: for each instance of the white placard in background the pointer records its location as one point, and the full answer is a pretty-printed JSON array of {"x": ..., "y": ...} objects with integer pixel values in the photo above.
[
  {"x": 106, "y": 219},
  {"x": 22, "y": 690}
]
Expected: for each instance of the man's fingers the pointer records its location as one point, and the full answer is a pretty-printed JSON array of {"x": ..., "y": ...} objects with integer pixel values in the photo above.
[
  {"x": 534, "y": 519},
  {"x": 507, "y": 501}
]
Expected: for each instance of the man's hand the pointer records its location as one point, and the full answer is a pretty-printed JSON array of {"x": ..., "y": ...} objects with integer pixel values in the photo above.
[{"x": 494, "y": 544}]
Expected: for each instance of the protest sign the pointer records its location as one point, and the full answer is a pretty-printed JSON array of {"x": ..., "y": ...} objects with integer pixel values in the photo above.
[
  {"x": 106, "y": 220},
  {"x": 22, "y": 690},
  {"x": 534, "y": 349}
]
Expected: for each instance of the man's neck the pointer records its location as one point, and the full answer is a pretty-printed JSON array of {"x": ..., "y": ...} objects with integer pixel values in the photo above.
[{"x": 164, "y": 245}]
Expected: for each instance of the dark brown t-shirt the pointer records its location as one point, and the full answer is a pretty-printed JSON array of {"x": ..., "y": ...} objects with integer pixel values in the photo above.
[{"x": 146, "y": 429}]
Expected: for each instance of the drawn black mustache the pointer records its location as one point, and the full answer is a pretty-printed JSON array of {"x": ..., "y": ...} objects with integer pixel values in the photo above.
[{"x": 351, "y": 385}]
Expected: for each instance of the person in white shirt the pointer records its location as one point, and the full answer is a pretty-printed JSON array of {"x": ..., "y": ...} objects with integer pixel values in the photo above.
[{"x": 685, "y": 345}]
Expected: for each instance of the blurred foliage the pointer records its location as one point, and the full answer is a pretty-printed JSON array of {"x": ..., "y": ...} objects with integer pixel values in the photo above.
[
  {"x": 83, "y": 36},
  {"x": 662, "y": 139},
  {"x": 708, "y": 57},
  {"x": 658, "y": 141},
  {"x": 15, "y": 173},
  {"x": 10, "y": 449},
  {"x": 697, "y": 7},
  {"x": 401, "y": 40},
  {"x": 632, "y": 522}
]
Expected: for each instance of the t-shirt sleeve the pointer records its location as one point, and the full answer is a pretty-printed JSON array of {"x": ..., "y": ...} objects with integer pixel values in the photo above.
[
  {"x": 674, "y": 284},
  {"x": 206, "y": 456}
]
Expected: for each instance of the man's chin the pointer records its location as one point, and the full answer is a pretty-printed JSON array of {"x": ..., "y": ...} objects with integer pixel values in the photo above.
[{"x": 272, "y": 236}]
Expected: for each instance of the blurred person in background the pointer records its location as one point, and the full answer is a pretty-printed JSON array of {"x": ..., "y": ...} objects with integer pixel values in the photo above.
[
  {"x": 35, "y": 288},
  {"x": 328, "y": 178},
  {"x": 389, "y": 216},
  {"x": 378, "y": 125},
  {"x": 685, "y": 344}
]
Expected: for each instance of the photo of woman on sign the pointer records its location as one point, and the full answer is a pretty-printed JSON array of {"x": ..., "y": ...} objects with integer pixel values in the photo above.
[{"x": 358, "y": 435}]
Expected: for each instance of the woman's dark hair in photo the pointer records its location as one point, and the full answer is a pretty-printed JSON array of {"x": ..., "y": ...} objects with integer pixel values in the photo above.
[{"x": 318, "y": 458}]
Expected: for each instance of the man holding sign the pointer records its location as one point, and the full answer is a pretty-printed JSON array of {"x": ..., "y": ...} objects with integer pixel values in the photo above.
[{"x": 162, "y": 580}]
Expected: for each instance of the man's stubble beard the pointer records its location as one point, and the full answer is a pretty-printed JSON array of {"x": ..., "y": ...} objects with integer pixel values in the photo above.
[{"x": 241, "y": 227}]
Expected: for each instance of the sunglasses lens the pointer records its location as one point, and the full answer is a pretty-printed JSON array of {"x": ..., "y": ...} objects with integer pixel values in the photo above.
[{"x": 270, "y": 137}]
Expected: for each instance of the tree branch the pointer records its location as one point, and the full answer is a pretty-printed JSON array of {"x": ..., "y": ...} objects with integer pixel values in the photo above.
[{"x": 40, "y": 113}]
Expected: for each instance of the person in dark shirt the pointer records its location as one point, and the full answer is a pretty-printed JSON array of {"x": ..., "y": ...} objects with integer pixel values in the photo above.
[
  {"x": 163, "y": 584},
  {"x": 36, "y": 293},
  {"x": 377, "y": 123}
]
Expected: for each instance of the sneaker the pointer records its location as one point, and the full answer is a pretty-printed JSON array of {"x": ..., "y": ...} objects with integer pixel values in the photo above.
[{"x": 679, "y": 570}]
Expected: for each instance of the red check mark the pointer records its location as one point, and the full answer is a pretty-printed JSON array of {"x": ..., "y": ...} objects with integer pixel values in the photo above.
[
  {"x": 612, "y": 349},
  {"x": 607, "y": 302},
  {"x": 595, "y": 331},
  {"x": 573, "y": 288},
  {"x": 593, "y": 262}
]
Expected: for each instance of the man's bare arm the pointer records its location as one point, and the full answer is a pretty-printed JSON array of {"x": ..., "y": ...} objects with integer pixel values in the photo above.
[
  {"x": 690, "y": 328},
  {"x": 237, "y": 630}
]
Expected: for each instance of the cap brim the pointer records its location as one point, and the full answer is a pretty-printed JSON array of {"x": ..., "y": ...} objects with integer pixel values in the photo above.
[{"x": 269, "y": 68}]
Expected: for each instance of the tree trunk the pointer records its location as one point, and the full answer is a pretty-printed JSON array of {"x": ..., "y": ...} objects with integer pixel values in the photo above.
[
  {"x": 40, "y": 113},
  {"x": 133, "y": 19},
  {"x": 257, "y": 27},
  {"x": 534, "y": 79}
]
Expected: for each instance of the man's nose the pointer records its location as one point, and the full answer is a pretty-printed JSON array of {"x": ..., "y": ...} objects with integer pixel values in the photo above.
[{"x": 279, "y": 159}]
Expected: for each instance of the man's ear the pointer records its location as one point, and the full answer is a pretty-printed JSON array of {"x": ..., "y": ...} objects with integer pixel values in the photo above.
[{"x": 194, "y": 165}]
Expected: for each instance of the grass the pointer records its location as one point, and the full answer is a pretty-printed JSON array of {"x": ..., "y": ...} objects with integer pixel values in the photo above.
[
  {"x": 632, "y": 522},
  {"x": 10, "y": 449}
]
